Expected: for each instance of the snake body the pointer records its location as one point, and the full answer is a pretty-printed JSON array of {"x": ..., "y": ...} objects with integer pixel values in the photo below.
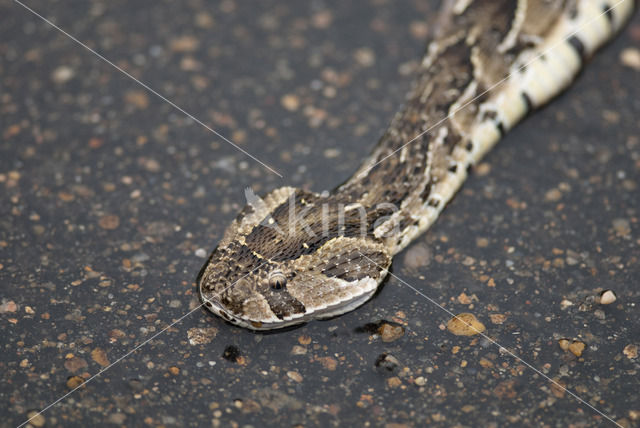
[{"x": 296, "y": 255}]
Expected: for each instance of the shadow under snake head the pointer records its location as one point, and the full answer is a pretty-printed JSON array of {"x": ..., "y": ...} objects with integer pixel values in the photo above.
[{"x": 290, "y": 257}]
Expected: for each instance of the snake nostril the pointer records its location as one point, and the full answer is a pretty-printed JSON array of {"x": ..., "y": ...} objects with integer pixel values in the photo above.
[{"x": 277, "y": 280}]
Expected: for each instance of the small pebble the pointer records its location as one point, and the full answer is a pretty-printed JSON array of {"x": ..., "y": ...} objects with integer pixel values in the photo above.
[
  {"x": 420, "y": 381},
  {"x": 201, "y": 253},
  {"x": 482, "y": 242},
  {"x": 62, "y": 74},
  {"x": 576, "y": 348},
  {"x": 558, "y": 388},
  {"x": 387, "y": 362},
  {"x": 36, "y": 419},
  {"x": 417, "y": 256},
  {"x": 419, "y": 30},
  {"x": 553, "y": 195},
  {"x": 564, "y": 344},
  {"x": 298, "y": 350},
  {"x": 322, "y": 19},
  {"x": 365, "y": 57},
  {"x": 394, "y": 382},
  {"x": 622, "y": 227},
  {"x": 331, "y": 153},
  {"x": 465, "y": 324},
  {"x": 290, "y": 102},
  {"x": 565, "y": 304},
  {"x": 8, "y": 306},
  {"x": 75, "y": 364},
  {"x": 304, "y": 340},
  {"x": 483, "y": 169},
  {"x": 184, "y": 44},
  {"x": 201, "y": 335},
  {"x": 109, "y": 222},
  {"x": 139, "y": 99},
  {"x": 328, "y": 363},
  {"x": 630, "y": 351},
  {"x": 74, "y": 381},
  {"x": 498, "y": 318},
  {"x": 100, "y": 356},
  {"x": 464, "y": 299},
  {"x": 607, "y": 297},
  {"x": 631, "y": 58},
  {"x": 389, "y": 332},
  {"x": 117, "y": 418},
  {"x": 295, "y": 376}
]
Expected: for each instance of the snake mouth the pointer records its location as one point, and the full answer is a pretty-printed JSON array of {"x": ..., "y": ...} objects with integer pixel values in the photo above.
[
  {"x": 368, "y": 287},
  {"x": 215, "y": 306},
  {"x": 217, "y": 309}
]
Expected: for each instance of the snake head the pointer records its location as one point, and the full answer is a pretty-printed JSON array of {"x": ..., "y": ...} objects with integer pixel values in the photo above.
[{"x": 272, "y": 270}]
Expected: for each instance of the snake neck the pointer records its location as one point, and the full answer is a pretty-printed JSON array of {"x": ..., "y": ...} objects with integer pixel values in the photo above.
[{"x": 490, "y": 64}]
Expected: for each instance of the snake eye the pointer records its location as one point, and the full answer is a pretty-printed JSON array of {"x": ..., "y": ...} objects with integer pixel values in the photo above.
[{"x": 277, "y": 280}]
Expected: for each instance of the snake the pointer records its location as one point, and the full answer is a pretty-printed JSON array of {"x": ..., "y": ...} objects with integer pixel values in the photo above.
[{"x": 294, "y": 255}]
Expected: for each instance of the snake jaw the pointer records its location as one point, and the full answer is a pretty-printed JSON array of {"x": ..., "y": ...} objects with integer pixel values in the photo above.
[
  {"x": 344, "y": 273},
  {"x": 258, "y": 319}
]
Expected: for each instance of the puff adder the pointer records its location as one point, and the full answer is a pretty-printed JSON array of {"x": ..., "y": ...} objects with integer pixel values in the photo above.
[{"x": 295, "y": 255}]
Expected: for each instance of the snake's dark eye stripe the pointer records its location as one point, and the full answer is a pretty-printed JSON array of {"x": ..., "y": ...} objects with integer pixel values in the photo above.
[{"x": 277, "y": 280}]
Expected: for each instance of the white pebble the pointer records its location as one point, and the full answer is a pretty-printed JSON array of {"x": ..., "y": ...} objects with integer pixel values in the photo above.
[
  {"x": 607, "y": 297},
  {"x": 62, "y": 74}
]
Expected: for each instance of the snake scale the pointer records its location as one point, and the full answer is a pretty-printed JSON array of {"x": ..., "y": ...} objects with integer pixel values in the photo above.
[{"x": 295, "y": 255}]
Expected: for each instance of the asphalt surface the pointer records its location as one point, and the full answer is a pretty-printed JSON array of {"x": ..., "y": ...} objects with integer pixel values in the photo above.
[{"x": 111, "y": 198}]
